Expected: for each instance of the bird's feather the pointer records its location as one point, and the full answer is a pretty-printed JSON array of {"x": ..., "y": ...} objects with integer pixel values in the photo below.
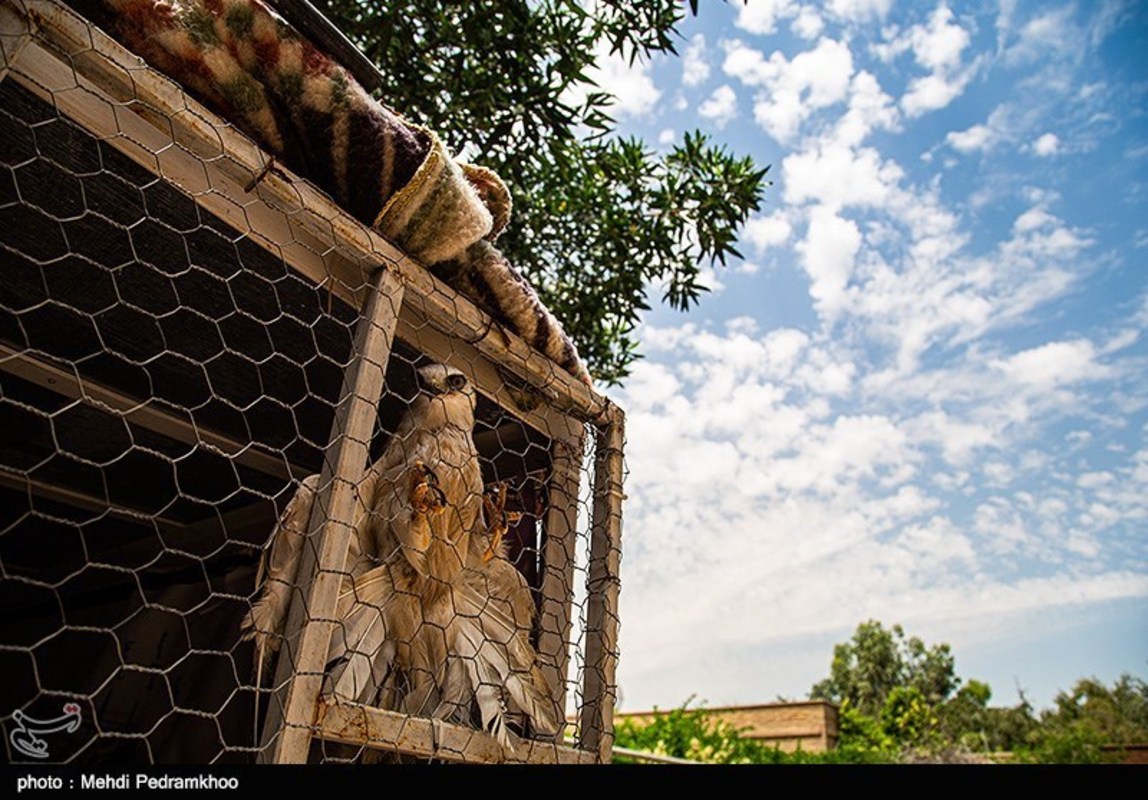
[{"x": 264, "y": 622}]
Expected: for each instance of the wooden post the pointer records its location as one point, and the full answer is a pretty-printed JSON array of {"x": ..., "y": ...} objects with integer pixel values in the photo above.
[
  {"x": 299, "y": 675},
  {"x": 561, "y": 530},
  {"x": 596, "y": 731},
  {"x": 15, "y": 32},
  {"x": 153, "y": 417}
]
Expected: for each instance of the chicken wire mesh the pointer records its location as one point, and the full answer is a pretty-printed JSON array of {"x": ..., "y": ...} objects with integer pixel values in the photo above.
[{"x": 178, "y": 356}]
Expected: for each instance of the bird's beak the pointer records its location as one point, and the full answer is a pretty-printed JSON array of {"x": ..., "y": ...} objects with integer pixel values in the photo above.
[{"x": 429, "y": 387}]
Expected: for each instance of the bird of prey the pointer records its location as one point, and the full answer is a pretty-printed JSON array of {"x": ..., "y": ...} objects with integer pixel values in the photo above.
[
  {"x": 492, "y": 666},
  {"x": 433, "y": 619},
  {"x": 424, "y": 502},
  {"x": 416, "y": 507}
]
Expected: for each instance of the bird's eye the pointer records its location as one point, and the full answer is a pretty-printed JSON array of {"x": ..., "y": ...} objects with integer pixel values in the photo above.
[{"x": 456, "y": 381}]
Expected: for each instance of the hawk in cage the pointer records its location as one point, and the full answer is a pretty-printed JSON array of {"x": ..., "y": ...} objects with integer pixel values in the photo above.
[{"x": 434, "y": 620}]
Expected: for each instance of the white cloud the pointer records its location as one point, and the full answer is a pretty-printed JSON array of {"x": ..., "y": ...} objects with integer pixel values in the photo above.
[
  {"x": 631, "y": 85},
  {"x": 978, "y": 137},
  {"x": 937, "y": 46},
  {"x": 721, "y": 106},
  {"x": 808, "y": 23},
  {"x": 859, "y": 10},
  {"x": 932, "y": 92},
  {"x": 667, "y": 136},
  {"x": 827, "y": 255},
  {"x": 1051, "y": 365},
  {"x": 839, "y": 177},
  {"x": 761, "y": 16},
  {"x": 1035, "y": 218},
  {"x": 959, "y": 440},
  {"x": 1049, "y": 34},
  {"x": 1047, "y": 145},
  {"x": 791, "y": 90},
  {"x": 765, "y": 232},
  {"x": 869, "y": 109},
  {"x": 695, "y": 67}
]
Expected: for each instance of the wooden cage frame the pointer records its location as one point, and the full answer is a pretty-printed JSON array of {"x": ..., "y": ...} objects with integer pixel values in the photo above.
[{"x": 52, "y": 51}]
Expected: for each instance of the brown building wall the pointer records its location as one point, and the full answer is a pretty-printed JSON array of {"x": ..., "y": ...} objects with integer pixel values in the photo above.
[{"x": 810, "y": 725}]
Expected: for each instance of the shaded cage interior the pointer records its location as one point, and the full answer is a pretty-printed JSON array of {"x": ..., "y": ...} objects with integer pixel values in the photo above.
[{"x": 165, "y": 382}]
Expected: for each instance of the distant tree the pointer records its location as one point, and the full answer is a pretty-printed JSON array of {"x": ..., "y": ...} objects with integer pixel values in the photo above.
[
  {"x": 597, "y": 219},
  {"x": 876, "y": 660},
  {"x": 1087, "y": 718}
]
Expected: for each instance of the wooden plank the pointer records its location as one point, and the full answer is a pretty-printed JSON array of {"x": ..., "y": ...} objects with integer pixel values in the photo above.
[
  {"x": 217, "y": 190},
  {"x": 558, "y": 559},
  {"x": 223, "y": 161},
  {"x": 257, "y": 514},
  {"x": 81, "y": 500},
  {"x": 377, "y": 729},
  {"x": 419, "y": 332},
  {"x": 144, "y": 413},
  {"x": 596, "y": 729},
  {"x": 15, "y": 33},
  {"x": 299, "y": 674}
]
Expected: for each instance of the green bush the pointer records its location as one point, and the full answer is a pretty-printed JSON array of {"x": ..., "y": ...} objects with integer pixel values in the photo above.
[{"x": 698, "y": 735}]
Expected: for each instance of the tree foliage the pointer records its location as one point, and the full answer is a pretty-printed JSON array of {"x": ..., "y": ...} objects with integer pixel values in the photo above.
[
  {"x": 877, "y": 660},
  {"x": 697, "y": 734},
  {"x": 598, "y": 219},
  {"x": 902, "y": 699},
  {"x": 1086, "y": 719}
]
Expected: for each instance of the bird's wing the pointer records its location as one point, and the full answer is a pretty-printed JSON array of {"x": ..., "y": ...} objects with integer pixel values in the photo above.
[
  {"x": 361, "y": 654},
  {"x": 264, "y": 622},
  {"x": 483, "y": 681},
  {"x": 500, "y": 661}
]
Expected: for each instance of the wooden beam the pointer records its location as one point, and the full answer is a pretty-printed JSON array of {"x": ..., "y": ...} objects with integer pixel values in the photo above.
[
  {"x": 299, "y": 673},
  {"x": 596, "y": 730},
  {"x": 150, "y": 415},
  {"x": 142, "y": 113},
  {"x": 377, "y": 729},
  {"x": 420, "y": 333},
  {"x": 558, "y": 562},
  {"x": 82, "y": 500},
  {"x": 15, "y": 33}
]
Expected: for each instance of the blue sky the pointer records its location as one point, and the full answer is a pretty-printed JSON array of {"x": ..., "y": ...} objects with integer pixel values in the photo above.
[{"x": 921, "y": 396}]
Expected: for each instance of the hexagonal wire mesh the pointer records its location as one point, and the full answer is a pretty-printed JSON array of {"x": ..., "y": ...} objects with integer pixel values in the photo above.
[{"x": 181, "y": 346}]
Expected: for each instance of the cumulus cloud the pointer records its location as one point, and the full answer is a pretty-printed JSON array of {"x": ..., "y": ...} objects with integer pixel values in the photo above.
[
  {"x": 761, "y": 16},
  {"x": 978, "y": 137},
  {"x": 1046, "y": 145},
  {"x": 1051, "y": 33},
  {"x": 859, "y": 10},
  {"x": 827, "y": 255},
  {"x": 869, "y": 108},
  {"x": 937, "y": 46},
  {"x": 765, "y": 232},
  {"x": 904, "y": 454},
  {"x": 1051, "y": 365},
  {"x": 808, "y": 24},
  {"x": 932, "y": 92},
  {"x": 791, "y": 90},
  {"x": 633, "y": 88},
  {"x": 721, "y": 106},
  {"x": 840, "y": 177},
  {"x": 760, "y": 486},
  {"x": 695, "y": 68}
]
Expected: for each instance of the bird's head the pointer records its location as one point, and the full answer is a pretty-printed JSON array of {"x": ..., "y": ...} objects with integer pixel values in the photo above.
[{"x": 448, "y": 391}]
